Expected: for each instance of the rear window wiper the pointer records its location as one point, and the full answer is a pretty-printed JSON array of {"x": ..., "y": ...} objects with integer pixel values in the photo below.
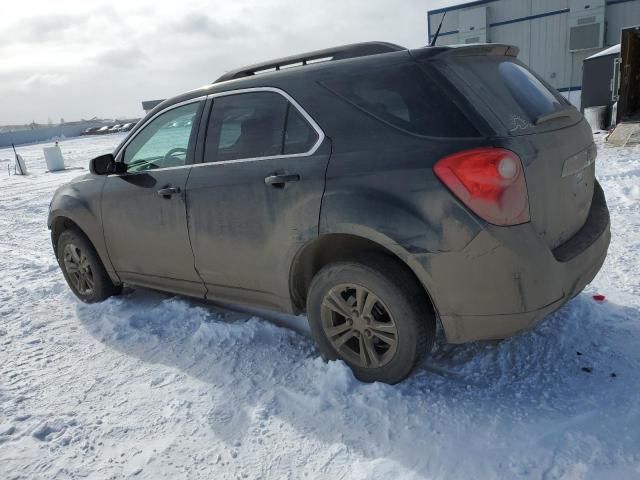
[{"x": 565, "y": 112}]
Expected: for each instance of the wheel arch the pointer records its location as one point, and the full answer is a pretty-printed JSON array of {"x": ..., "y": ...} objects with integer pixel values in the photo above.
[
  {"x": 58, "y": 225},
  {"x": 333, "y": 247},
  {"x": 61, "y": 222}
]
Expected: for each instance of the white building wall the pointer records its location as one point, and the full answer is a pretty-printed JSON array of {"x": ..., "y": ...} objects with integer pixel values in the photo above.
[
  {"x": 549, "y": 42},
  {"x": 544, "y": 6},
  {"x": 518, "y": 34},
  {"x": 619, "y": 16},
  {"x": 509, "y": 10},
  {"x": 540, "y": 29},
  {"x": 574, "y": 97}
]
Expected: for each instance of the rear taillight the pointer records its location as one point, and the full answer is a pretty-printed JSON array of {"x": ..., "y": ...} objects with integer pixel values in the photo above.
[{"x": 490, "y": 181}]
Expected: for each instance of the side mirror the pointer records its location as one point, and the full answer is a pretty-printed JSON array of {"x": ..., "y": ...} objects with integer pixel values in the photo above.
[{"x": 105, "y": 165}]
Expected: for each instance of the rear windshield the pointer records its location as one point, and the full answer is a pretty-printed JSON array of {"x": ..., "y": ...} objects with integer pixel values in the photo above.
[
  {"x": 510, "y": 87},
  {"x": 405, "y": 98}
]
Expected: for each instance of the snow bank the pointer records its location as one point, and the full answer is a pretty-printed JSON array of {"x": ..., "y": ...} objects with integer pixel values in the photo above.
[{"x": 155, "y": 386}]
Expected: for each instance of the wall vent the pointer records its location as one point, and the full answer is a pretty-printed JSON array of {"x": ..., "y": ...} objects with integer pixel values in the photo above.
[
  {"x": 586, "y": 24},
  {"x": 587, "y": 20}
]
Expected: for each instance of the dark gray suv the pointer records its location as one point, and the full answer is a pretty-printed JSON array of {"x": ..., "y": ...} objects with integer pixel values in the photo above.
[{"x": 378, "y": 189}]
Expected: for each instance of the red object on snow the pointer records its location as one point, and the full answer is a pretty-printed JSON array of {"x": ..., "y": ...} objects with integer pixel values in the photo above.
[{"x": 599, "y": 298}]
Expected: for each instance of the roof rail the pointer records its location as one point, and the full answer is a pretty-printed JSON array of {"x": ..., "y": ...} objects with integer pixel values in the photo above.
[{"x": 336, "y": 53}]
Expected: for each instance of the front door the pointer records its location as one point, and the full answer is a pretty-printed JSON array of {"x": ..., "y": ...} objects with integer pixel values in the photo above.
[
  {"x": 256, "y": 198},
  {"x": 144, "y": 210}
]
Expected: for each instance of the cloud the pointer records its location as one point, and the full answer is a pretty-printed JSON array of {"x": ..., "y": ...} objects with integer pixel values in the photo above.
[
  {"x": 66, "y": 28},
  {"x": 84, "y": 48},
  {"x": 49, "y": 27},
  {"x": 43, "y": 80},
  {"x": 199, "y": 23},
  {"x": 122, "y": 57}
]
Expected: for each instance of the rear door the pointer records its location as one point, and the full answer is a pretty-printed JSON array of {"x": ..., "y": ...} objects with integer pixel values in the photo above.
[
  {"x": 543, "y": 128},
  {"x": 144, "y": 211},
  {"x": 255, "y": 198}
]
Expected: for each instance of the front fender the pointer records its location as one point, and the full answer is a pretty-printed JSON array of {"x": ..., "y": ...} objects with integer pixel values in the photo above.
[{"x": 79, "y": 203}]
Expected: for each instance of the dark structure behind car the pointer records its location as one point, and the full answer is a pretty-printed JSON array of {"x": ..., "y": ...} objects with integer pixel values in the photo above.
[{"x": 375, "y": 188}]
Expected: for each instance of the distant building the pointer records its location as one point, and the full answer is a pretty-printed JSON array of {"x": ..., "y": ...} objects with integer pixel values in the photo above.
[
  {"x": 33, "y": 132},
  {"x": 23, "y": 134},
  {"x": 554, "y": 36},
  {"x": 149, "y": 105}
]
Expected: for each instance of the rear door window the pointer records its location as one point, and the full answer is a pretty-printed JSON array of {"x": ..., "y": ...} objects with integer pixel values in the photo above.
[
  {"x": 405, "y": 98},
  {"x": 256, "y": 125},
  {"x": 248, "y": 125}
]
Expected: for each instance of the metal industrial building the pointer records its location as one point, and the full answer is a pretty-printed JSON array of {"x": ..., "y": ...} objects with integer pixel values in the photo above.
[{"x": 554, "y": 36}]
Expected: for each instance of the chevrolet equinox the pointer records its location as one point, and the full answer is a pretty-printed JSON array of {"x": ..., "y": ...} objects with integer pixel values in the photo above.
[{"x": 378, "y": 189}]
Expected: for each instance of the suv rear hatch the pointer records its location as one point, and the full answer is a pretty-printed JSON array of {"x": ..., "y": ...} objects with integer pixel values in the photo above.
[{"x": 531, "y": 118}]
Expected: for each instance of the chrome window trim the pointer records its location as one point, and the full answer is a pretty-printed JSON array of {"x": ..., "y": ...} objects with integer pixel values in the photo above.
[{"x": 289, "y": 98}]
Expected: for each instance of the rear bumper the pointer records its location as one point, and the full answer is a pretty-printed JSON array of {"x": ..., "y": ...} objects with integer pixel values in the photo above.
[{"x": 507, "y": 279}]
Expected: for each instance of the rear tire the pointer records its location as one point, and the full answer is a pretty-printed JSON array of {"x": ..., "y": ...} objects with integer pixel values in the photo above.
[
  {"x": 373, "y": 315},
  {"x": 82, "y": 268}
]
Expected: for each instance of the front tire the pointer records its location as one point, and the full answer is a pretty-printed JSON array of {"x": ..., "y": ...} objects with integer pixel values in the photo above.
[
  {"x": 82, "y": 268},
  {"x": 373, "y": 315}
]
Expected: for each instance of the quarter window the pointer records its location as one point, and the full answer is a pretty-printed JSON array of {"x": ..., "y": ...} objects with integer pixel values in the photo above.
[
  {"x": 528, "y": 92},
  {"x": 254, "y": 125},
  {"x": 164, "y": 141},
  {"x": 405, "y": 98},
  {"x": 299, "y": 136},
  {"x": 514, "y": 92}
]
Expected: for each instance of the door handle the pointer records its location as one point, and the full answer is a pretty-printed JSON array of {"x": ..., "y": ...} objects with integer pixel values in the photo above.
[
  {"x": 167, "y": 192},
  {"x": 280, "y": 180}
]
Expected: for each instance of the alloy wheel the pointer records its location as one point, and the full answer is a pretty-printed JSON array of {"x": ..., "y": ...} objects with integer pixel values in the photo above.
[
  {"x": 359, "y": 326},
  {"x": 78, "y": 269}
]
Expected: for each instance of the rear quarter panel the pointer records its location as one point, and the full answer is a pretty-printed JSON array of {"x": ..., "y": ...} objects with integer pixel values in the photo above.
[{"x": 381, "y": 187}]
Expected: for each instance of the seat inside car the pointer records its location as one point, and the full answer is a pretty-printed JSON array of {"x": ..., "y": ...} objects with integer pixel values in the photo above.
[{"x": 256, "y": 138}]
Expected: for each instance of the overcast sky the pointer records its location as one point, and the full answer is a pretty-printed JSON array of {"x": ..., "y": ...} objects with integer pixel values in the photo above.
[{"x": 77, "y": 59}]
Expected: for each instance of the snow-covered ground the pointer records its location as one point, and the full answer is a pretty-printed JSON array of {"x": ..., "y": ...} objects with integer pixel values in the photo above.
[{"x": 155, "y": 386}]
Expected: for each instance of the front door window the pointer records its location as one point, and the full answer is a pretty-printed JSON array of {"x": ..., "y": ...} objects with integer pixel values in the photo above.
[{"x": 163, "y": 142}]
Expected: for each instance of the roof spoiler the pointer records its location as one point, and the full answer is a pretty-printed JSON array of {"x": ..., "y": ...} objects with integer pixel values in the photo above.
[
  {"x": 474, "y": 49},
  {"x": 336, "y": 53}
]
